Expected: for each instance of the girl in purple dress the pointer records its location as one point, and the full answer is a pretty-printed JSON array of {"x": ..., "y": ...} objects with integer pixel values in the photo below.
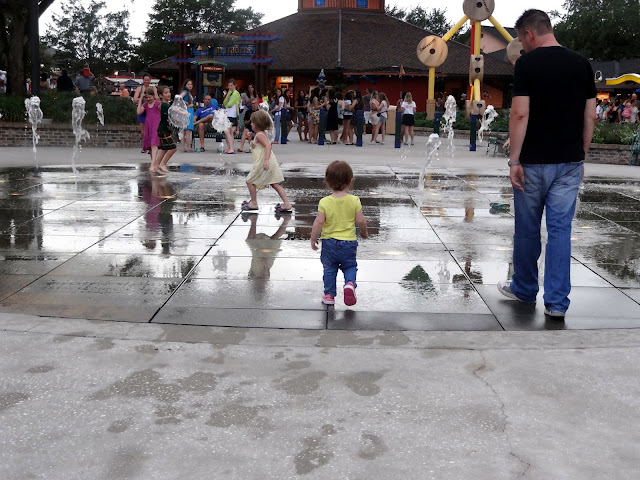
[{"x": 151, "y": 108}]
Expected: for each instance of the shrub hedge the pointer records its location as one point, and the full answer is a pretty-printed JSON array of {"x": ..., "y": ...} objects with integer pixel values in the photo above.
[
  {"x": 122, "y": 111},
  {"x": 57, "y": 107},
  {"x": 605, "y": 133},
  {"x": 501, "y": 123},
  {"x": 614, "y": 133}
]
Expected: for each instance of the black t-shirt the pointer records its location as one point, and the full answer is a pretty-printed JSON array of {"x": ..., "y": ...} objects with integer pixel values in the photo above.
[
  {"x": 247, "y": 119},
  {"x": 554, "y": 131}
]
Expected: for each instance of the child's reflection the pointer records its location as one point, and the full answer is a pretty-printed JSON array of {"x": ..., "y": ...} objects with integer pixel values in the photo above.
[
  {"x": 264, "y": 249},
  {"x": 157, "y": 194}
]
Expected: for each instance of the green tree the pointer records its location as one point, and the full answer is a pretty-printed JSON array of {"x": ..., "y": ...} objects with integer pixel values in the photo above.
[
  {"x": 434, "y": 20},
  {"x": 14, "y": 41},
  {"x": 191, "y": 16},
  {"x": 84, "y": 34},
  {"x": 395, "y": 11},
  {"x": 600, "y": 29}
]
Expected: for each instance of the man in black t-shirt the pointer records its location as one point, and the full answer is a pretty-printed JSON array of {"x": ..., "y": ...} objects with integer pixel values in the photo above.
[{"x": 548, "y": 145}]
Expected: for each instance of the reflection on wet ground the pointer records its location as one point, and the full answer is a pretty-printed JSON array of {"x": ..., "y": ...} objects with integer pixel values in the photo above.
[{"x": 112, "y": 243}]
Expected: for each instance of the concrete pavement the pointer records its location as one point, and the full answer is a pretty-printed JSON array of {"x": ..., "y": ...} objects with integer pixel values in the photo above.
[{"x": 116, "y": 400}]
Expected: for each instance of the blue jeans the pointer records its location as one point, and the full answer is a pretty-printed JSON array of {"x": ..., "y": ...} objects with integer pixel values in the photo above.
[
  {"x": 276, "y": 124},
  {"x": 554, "y": 187},
  {"x": 338, "y": 254}
]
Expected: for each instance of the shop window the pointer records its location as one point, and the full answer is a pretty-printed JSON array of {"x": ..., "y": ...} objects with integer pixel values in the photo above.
[
  {"x": 319, "y": 3},
  {"x": 362, "y": 4}
]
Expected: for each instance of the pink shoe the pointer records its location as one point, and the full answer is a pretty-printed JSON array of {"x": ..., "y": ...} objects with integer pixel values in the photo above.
[
  {"x": 349, "y": 294},
  {"x": 328, "y": 299}
]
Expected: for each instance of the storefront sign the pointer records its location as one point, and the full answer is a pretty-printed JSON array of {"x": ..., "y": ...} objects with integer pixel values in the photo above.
[
  {"x": 238, "y": 50},
  {"x": 212, "y": 68}
]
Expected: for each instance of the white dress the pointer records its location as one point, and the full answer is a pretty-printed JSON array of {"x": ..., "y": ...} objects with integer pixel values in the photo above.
[{"x": 258, "y": 176}]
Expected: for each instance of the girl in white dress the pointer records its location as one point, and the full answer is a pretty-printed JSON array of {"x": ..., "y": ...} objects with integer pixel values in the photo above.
[{"x": 265, "y": 170}]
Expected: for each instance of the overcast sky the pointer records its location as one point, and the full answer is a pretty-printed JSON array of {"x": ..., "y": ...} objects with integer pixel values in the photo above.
[{"x": 506, "y": 12}]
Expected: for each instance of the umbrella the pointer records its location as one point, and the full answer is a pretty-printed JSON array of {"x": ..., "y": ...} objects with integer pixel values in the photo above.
[{"x": 131, "y": 83}]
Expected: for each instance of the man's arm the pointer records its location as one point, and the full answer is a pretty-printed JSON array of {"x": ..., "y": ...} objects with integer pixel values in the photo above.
[
  {"x": 205, "y": 119},
  {"x": 518, "y": 121},
  {"x": 589, "y": 122}
]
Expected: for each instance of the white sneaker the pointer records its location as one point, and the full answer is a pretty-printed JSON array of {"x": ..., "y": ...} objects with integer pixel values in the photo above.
[
  {"x": 504, "y": 287},
  {"x": 556, "y": 315}
]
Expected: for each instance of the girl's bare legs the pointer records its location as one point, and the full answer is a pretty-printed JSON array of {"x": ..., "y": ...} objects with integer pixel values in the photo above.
[
  {"x": 253, "y": 194},
  {"x": 153, "y": 152},
  {"x": 384, "y": 131},
  {"x": 313, "y": 132},
  {"x": 189, "y": 134},
  {"x": 350, "y": 134},
  {"x": 411, "y": 133},
  {"x": 164, "y": 159},
  {"x": 404, "y": 135},
  {"x": 228, "y": 134},
  {"x": 183, "y": 141},
  {"x": 155, "y": 160},
  {"x": 334, "y": 136},
  {"x": 285, "y": 201},
  {"x": 374, "y": 132},
  {"x": 142, "y": 134}
]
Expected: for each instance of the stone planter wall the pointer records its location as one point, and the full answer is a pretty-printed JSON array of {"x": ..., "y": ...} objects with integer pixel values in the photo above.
[
  {"x": 59, "y": 135},
  {"x": 598, "y": 153},
  {"x": 128, "y": 136}
]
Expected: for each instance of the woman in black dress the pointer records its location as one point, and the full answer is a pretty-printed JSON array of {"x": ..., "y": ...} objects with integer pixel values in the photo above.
[
  {"x": 301, "y": 107},
  {"x": 332, "y": 116}
]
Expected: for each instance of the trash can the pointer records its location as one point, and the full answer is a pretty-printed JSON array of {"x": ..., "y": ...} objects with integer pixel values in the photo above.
[{"x": 391, "y": 120}]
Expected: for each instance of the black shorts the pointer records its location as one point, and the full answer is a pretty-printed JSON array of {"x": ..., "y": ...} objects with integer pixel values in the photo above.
[
  {"x": 408, "y": 120},
  {"x": 234, "y": 121}
]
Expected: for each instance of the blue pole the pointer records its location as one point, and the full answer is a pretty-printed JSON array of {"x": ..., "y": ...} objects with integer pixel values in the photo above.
[
  {"x": 284, "y": 123},
  {"x": 322, "y": 126},
  {"x": 436, "y": 122},
  {"x": 473, "y": 133},
  {"x": 359, "y": 127},
  {"x": 398, "y": 142}
]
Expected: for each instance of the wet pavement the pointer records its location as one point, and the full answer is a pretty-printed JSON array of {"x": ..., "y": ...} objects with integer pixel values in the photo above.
[
  {"x": 113, "y": 243},
  {"x": 391, "y": 388}
]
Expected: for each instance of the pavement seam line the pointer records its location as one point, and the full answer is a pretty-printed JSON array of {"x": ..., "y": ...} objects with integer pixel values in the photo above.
[
  {"x": 74, "y": 255},
  {"x": 188, "y": 275},
  {"x": 448, "y": 250},
  {"x": 505, "y": 417}
]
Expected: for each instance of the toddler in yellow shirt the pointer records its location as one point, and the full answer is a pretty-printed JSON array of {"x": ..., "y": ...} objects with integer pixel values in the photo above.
[{"x": 335, "y": 225}]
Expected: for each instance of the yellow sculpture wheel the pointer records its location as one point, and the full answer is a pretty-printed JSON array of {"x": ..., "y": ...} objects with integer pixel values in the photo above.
[
  {"x": 514, "y": 50},
  {"x": 432, "y": 51},
  {"x": 478, "y": 10}
]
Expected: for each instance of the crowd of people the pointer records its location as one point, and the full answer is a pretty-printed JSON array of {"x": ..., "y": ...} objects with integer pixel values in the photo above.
[
  {"x": 618, "y": 110},
  {"x": 304, "y": 112}
]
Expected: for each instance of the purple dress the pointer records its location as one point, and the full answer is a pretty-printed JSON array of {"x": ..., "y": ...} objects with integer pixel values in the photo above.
[{"x": 151, "y": 125}]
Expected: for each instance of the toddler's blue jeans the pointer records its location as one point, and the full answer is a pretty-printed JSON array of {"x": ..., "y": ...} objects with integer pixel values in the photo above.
[{"x": 338, "y": 254}]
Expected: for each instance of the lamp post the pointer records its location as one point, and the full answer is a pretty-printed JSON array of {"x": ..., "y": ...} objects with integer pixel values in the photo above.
[{"x": 34, "y": 46}]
